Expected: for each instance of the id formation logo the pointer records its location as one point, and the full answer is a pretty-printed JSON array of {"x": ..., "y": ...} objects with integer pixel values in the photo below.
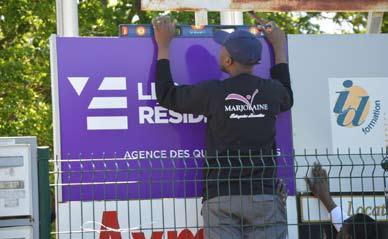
[{"x": 358, "y": 113}]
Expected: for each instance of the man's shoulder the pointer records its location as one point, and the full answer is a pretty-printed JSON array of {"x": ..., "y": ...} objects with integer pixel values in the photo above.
[
  {"x": 270, "y": 85},
  {"x": 268, "y": 81}
]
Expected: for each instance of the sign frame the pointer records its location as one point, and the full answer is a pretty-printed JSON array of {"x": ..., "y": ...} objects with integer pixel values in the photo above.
[{"x": 266, "y": 6}]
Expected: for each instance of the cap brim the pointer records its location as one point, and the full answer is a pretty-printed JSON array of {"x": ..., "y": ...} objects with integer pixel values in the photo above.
[{"x": 220, "y": 36}]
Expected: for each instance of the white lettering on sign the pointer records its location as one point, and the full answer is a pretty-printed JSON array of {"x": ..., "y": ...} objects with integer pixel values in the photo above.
[
  {"x": 160, "y": 115},
  {"x": 164, "y": 154},
  {"x": 146, "y": 154},
  {"x": 147, "y": 114},
  {"x": 142, "y": 96},
  {"x": 179, "y": 153}
]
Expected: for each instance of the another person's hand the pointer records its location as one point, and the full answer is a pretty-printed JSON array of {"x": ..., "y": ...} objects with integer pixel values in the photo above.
[
  {"x": 164, "y": 31},
  {"x": 319, "y": 186},
  {"x": 281, "y": 190}
]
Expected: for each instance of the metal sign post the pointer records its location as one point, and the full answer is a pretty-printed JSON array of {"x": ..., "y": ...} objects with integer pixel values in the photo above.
[
  {"x": 375, "y": 21},
  {"x": 67, "y": 18},
  {"x": 201, "y": 18},
  {"x": 232, "y": 18}
]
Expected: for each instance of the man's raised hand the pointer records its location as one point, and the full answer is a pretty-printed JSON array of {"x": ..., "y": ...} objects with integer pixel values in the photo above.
[{"x": 164, "y": 31}]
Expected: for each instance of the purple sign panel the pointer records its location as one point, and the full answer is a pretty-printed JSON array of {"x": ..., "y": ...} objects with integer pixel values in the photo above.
[{"x": 116, "y": 142}]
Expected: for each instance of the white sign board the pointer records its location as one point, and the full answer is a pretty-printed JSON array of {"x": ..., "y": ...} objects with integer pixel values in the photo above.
[
  {"x": 315, "y": 62},
  {"x": 340, "y": 106},
  {"x": 131, "y": 219},
  {"x": 373, "y": 206}
]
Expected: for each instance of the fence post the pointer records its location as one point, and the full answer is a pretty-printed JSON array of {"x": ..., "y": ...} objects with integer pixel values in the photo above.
[{"x": 44, "y": 192}]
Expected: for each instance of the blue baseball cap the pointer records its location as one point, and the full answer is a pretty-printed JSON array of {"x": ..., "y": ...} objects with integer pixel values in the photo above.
[{"x": 242, "y": 46}]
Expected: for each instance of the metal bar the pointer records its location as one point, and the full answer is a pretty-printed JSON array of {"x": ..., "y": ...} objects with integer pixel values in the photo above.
[
  {"x": 201, "y": 18},
  {"x": 59, "y": 13},
  {"x": 44, "y": 193},
  {"x": 232, "y": 18},
  {"x": 67, "y": 17},
  {"x": 375, "y": 22}
]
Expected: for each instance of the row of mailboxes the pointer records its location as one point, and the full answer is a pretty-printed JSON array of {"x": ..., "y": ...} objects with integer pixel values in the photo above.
[{"x": 19, "y": 208}]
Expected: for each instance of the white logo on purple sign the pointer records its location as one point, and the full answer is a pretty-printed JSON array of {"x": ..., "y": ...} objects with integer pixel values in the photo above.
[{"x": 104, "y": 122}]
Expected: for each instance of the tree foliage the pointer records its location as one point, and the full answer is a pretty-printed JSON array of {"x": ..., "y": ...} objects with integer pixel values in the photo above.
[
  {"x": 25, "y": 104},
  {"x": 26, "y": 25},
  {"x": 385, "y": 23}
]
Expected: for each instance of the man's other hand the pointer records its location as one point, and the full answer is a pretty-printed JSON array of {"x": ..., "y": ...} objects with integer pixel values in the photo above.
[
  {"x": 277, "y": 38},
  {"x": 275, "y": 35},
  {"x": 281, "y": 190}
]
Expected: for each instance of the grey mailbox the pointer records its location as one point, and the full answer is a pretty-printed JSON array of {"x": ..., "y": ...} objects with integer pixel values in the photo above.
[{"x": 19, "y": 202}]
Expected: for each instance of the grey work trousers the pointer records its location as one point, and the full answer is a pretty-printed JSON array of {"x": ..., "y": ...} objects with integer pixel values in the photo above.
[{"x": 245, "y": 217}]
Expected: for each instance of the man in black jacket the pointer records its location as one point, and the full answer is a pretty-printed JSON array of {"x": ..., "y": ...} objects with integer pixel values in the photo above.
[{"x": 239, "y": 198}]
